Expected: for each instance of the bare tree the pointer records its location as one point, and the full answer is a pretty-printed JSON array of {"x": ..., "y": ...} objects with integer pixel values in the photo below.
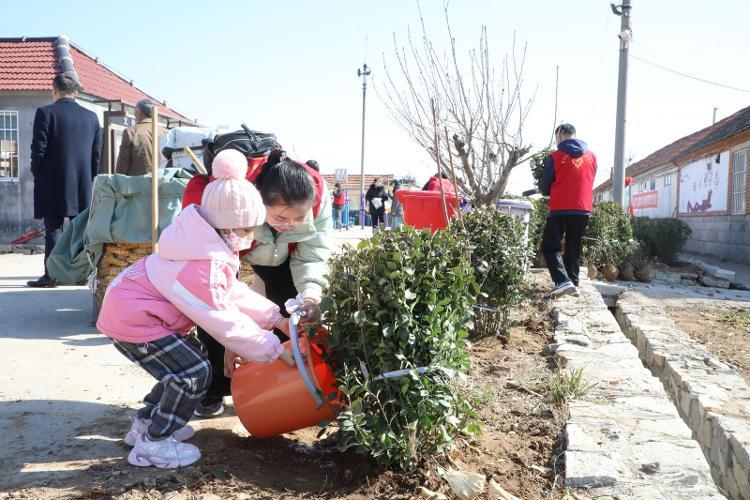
[{"x": 482, "y": 107}]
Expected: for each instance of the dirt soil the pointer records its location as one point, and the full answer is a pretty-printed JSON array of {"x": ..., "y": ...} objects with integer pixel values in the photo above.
[
  {"x": 724, "y": 328},
  {"x": 519, "y": 447}
]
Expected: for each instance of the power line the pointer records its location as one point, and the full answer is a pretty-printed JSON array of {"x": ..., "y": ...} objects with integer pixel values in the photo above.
[{"x": 688, "y": 76}]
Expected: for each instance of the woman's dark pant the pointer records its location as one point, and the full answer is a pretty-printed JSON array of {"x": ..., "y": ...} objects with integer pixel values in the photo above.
[
  {"x": 378, "y": 217},
  {"x": 279, "y": 289}
]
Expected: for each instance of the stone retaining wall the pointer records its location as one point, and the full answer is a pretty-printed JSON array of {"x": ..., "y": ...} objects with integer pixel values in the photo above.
[
  {"x": 625, "y": 438},
  {"x": 711, "y": 397},
  {"x": 723, "y": 236}
]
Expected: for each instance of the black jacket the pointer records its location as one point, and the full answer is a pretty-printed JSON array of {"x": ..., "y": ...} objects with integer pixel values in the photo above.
[
  {"x": 376, "y": 192},
  {"x": 65, "y": 153}
]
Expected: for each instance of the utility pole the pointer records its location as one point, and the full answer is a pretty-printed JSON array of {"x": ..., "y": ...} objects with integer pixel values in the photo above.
[
  {"x": 363, "y": 72},
  {"x": 618, "y": 179}
]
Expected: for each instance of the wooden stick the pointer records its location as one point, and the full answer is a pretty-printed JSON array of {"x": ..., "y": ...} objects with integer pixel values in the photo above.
[
  {"x": 453, "y": 174},
  {"x": 437, "y": 158},
  {"x": 154, "y": 178},
  {"x": 195, "y": 160}
]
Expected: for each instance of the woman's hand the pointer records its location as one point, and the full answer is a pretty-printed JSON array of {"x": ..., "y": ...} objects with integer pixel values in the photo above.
[
  {"x": 231, "y": 361},
  {"x": 288, "y": 358},
  {"x": 311, "y": 312}
]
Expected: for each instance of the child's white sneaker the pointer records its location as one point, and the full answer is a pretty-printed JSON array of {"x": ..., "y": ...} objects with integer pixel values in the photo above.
[
  {"x": 167, "y": 453},
  {"x": 140, "y": 426}
]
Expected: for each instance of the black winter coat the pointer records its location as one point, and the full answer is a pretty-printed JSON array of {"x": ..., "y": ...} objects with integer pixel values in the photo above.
[
  {"x": 65, "y": 153},
  {"x": 376, "y": 192}
]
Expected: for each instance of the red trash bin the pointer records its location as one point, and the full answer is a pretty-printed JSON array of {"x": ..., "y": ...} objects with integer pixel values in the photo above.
[{"x": 424, "y": 209}]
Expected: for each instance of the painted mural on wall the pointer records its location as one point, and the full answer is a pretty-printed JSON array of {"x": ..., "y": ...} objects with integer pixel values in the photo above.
[{"x": 704, "y": 184}]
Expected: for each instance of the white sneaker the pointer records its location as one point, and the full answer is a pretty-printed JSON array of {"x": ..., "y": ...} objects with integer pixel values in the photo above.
[
  {"x": 566, "y": 288},
  {"x": 165, "y": 454},
  {"x": 140, "y": 426}
]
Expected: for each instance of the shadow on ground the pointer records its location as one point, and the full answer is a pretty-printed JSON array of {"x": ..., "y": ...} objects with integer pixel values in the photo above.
[{"x": 53, "y": 448}]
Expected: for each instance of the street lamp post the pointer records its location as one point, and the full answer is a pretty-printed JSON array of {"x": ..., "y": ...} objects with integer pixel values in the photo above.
[{"x": 363, "y": 72}]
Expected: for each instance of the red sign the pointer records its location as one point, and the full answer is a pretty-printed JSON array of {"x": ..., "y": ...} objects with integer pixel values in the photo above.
[{"x": 645, "y": 200}]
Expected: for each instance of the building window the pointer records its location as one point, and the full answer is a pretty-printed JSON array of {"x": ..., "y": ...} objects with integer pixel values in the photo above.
[
  {"x": 739, "y": 167},
  {"x": 8, "y": 144},
  {"x": 652, "y": 185},
  {"x": 642, "y": 187},
  {"x": 667, "y": 180}
]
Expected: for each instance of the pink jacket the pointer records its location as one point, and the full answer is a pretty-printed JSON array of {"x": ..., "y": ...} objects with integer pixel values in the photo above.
[{"x": 190, "y": 281}]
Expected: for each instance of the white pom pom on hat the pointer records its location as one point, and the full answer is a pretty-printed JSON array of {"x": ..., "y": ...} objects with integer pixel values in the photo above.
[{"x": 230, "y": 201}]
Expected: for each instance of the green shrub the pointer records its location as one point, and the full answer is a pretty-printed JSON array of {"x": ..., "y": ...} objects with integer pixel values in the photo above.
[
  {"x": 401, "y": 300},
  {"x": 609, "y": 236},
  {"x": 538, "y": 162},
  {"x": 661, "y": 238},
  {"x": 498, "y": 253},
  {"x": 537, "y": 221}
]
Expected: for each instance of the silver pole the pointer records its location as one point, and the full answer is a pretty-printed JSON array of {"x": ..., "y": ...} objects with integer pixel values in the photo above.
[
  {"x": 618, "y": 179},
  {"x": 363, "y": 72}
]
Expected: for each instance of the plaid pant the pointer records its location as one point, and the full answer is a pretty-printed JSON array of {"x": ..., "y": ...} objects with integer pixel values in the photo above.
[{"x": 183, "y": 372}]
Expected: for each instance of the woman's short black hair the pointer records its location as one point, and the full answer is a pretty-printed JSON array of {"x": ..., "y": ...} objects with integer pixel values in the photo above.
[{"x": 284, "y": 182}]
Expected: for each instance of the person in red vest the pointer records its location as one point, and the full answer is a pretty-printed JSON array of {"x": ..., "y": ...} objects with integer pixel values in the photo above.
[
  {"x": 290, "y": 251},
  {"x": 568, "y": 180},
  {"x": 339, "y": 200},
  {"x": 433, "y": 184}
]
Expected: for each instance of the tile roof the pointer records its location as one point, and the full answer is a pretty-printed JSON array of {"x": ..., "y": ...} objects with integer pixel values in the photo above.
[
  {"x": 30, "y": 64},
  {"x": 720, "y": 130},
  {"x": 27, "y": 65},
  {"x": 353, "y": 182}
]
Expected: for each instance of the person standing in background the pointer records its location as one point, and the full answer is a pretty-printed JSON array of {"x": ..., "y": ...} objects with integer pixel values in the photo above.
[
  {"x": 397, "y": 209},
  {"x": 376, "y": 197},
  {"x": 339, "y": 200},
  {"x": 135, "y": 156},
  {"x": 66, "y": 149}
]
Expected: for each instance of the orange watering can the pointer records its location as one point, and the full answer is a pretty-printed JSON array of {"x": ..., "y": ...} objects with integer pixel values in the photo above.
[{"x": 274, "y": 398}]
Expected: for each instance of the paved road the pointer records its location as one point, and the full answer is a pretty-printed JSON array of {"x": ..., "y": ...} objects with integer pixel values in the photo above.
[
  {"x": 67, "y": 394},
  {"x": 63, "y": 381}
]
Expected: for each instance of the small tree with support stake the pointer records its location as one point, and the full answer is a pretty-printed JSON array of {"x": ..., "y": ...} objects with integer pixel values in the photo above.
[{"x": 483, "y": 109}]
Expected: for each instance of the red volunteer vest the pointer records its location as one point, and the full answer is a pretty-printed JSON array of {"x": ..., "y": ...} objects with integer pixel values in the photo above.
[
  {"x": 339, "y": 200},
  {"x": 573, "y": 188},
  {"x": 194, "y": 190}
]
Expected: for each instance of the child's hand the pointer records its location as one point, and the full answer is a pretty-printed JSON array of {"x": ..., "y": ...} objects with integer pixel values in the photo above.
[
  {"x": 283, "y": 325},
  {"x": 231, "y": 360},
  {"x": 288, "y": 358}
]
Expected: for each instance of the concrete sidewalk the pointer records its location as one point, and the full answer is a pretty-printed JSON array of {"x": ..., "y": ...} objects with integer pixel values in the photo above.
[
  {"x": 66, "y": 390},
  {"x": 68, "y": 394}
]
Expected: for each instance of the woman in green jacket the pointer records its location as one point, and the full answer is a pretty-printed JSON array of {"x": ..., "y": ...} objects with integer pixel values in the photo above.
[{"x": 290, "y": 251}]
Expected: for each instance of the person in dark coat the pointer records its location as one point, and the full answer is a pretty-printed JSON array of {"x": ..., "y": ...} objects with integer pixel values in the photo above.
[
  {"x": 65, "y": 153},
  {"x": 376, "y": 197}
]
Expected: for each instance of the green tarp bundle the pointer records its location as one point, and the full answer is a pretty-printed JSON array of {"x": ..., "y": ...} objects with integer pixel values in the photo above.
[{"x": 120, "y": 212}]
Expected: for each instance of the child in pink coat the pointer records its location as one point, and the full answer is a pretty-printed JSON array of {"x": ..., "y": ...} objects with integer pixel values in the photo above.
[{"x": 151, "y": 308}]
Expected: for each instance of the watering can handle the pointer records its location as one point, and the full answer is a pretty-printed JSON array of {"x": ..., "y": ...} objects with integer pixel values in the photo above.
[{"x": 300, "y": 362}]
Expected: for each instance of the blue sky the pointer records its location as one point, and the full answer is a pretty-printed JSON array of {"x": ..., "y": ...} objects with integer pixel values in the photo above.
[{"x": 290, "y": 66}]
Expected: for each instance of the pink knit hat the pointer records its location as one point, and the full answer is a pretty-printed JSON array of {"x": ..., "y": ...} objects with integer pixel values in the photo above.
[{"x": 230, "y": 201}]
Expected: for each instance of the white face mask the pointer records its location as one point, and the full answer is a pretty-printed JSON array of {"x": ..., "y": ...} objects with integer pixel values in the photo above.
[{"x": 235, "y": 243}]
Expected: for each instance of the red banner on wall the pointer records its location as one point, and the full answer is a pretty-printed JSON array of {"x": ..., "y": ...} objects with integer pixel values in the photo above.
[{"x": 649, "y": 199}]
